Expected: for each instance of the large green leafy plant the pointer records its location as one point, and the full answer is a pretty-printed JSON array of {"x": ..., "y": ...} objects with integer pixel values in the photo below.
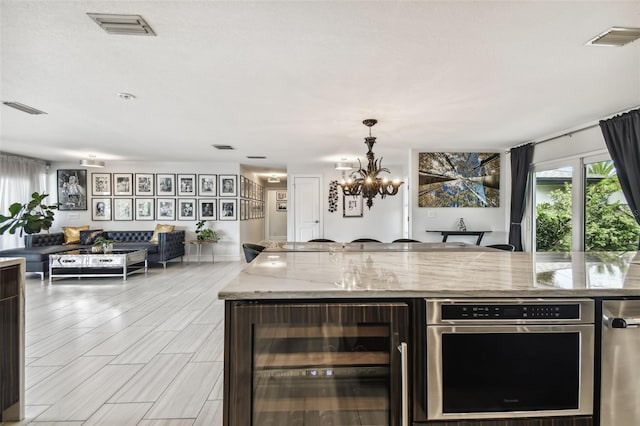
[{"x": 30, "y": 217}]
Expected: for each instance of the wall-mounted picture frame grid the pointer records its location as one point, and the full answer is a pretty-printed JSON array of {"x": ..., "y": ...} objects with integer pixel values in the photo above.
[
  {"x": 207, "y": 185},
  {"x": 166, "y": 209},
  {"x": 187, "y": 209},
  {"x": 228, "y": 210},
  {"x": 187, "y": 185},
  {"x": 228, "y": 185},
  {"x": 122, "y": 184},
  {"x": 101, "y": 209},
  {"x": 144, "y": 184},
  {"x": 123, "y": 209},
  {"x": 101, "y": 184},
  {"x": 165, "y": 184},
  {"x": 145, "y": 209},
  {"x": 72, "y": 189},
  {"x": 207, "y": 209}
]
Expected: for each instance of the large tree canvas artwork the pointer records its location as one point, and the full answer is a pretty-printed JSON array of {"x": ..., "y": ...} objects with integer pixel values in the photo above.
[{"x": 459, "y": 179}]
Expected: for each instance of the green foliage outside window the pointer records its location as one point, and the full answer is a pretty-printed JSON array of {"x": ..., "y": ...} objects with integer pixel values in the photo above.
[{"x": 610, "y": 225}]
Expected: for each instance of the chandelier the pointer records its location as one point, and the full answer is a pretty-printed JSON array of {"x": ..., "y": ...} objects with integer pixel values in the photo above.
[{"x": 367, "y": 182}]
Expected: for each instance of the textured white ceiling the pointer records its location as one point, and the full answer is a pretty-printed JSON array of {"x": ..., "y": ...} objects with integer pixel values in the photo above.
[{"x": 293, "y": 80}]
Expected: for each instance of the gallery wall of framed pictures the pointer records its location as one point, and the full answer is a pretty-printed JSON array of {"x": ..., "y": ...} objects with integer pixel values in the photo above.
[
  {"x": 251, "y": 199},
  {"x": 158, "y": 196}
]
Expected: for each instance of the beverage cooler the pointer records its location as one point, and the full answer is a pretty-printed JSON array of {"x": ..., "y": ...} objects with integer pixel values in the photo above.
[{"x": 317, "y": 364}]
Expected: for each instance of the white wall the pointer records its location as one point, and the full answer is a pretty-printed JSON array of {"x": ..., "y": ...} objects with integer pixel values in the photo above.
[
  {"x": 276, "y": 220},
  {"x": 383, "y": 222},
  {"x": 227, "y": 249},
  {"x": 446, "y": 218}
]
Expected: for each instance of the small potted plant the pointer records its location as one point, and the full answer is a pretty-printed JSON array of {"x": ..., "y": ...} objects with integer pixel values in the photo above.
[
  {"x": 103, "y": 244},
  {"x": 205, "y": 234}
]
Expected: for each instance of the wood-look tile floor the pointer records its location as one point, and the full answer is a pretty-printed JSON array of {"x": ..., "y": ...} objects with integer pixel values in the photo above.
[{"x": 148, "y": 351}]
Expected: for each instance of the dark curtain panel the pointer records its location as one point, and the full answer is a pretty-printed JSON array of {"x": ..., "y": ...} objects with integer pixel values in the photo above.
[
  {"x": 622, "y": 136},
  {"x": 520, "y": 160}
]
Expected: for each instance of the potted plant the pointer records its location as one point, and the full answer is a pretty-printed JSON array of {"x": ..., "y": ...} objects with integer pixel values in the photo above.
[
  {"x": 30, "y": 217},
  {"x": 205, "y": 234},
  {"x": 103, "y": 244}
]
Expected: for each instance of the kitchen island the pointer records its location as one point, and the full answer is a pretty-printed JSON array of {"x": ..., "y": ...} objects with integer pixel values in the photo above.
[{"x": 340, "y": 336}]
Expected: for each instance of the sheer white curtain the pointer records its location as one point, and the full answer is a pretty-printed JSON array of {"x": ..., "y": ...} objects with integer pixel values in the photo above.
[{"x": 19, "y": 178}]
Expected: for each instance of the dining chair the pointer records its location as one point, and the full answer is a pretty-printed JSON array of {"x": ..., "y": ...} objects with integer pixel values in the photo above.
[
  {"x": 405, "y": 240},
  {"x": 506, "y": 247},
  {"x": 251, "y": 251},
  {"x": 365, "y": 240},
  {"x": 321, "y": 240}
]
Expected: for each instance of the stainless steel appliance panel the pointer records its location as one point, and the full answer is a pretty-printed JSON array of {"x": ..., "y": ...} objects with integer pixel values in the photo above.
[{"x": 620, "y": 391}]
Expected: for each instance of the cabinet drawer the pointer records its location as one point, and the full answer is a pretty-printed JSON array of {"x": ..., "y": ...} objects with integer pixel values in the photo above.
[
  {"x": 9, "y": 285},
  {"x": 105, "y": 261}
]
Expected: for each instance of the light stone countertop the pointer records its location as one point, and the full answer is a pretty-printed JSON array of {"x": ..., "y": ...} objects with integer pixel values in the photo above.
[{"x": 437, "y": 273}]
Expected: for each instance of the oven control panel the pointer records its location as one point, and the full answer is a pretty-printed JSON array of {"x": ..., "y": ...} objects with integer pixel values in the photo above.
[{"x": 510, "y": 312}]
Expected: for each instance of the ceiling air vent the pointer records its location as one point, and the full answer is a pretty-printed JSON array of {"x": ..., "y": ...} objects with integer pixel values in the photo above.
[
  {"x": 223, "y": 147},
  {"x": 256, "y": 157},
  {"x": 616, "y": 36},
  {"x": 122, "y": 24},
  {"x": 23, "y": 107}
]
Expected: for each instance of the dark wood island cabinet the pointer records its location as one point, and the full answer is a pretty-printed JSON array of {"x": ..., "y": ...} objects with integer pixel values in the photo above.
[{"x": 11, "y": 340}]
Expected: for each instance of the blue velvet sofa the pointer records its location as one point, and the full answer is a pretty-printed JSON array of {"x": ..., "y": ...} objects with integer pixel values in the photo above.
[{"x": 38, "y": 247}]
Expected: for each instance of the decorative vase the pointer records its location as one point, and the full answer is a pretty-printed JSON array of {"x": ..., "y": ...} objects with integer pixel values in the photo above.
[{"x": 107, "y": 247}]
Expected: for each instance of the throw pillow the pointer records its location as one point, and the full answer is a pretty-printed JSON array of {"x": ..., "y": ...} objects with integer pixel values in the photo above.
[
  {"x": 159, "y": 229},
  {"x": 72, "y": 233},
  {"x": 88, "y": 237}
]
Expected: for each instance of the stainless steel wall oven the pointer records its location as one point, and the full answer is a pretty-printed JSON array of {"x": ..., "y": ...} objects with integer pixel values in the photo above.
[{"x": 503, "y": 358}]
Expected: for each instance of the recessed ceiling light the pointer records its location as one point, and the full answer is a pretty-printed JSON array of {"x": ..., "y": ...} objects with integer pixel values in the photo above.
[
  {"x": 615, "y": 36},
  {"x": 126, "y": 96},
  {"x": 122, "y": 24},
  {"x": 273, "y": 179},
  {"x": 223, "y": 147},
  {"x": 23, "y": 107}
]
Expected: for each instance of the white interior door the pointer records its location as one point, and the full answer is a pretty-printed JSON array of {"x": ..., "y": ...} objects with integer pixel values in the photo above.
[{"x": 307, "y": 192}]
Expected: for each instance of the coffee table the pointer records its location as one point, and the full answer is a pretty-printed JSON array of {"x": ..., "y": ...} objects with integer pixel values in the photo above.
[{"x": 85, "y": 263}]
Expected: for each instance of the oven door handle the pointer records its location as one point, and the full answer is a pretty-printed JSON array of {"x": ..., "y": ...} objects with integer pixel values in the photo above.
[
  {"x": 618, "y": 322},
  {"x": 404, "y": 375}
]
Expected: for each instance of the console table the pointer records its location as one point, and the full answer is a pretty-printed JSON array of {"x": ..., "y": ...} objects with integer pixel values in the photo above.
[
  {"x": 445, "y": 234},
  {"x": 199, "y": 244}
]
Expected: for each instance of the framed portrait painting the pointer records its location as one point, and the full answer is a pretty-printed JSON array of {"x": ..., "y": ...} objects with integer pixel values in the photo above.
[
  {"x": 101, "y": 184},
  {"x": 144, "y": 184},
  {"x": 281, "y": 195},
  {"x": 122, "y": 184},
  {"x": 101, "y": 209},
  {"x": 207, "y": 185},
  {"x": 352, "y": 206},
  {"x": 207, "y": 209},
  {"x": 145, "y": 209},
  {"x": 123, "y": 209},
  {"x": 165, "y": 184},
  {"x": 72, "y": 189},
  {"x": 166, "y": 209},
  {"x": 228, "y": 209},
  {"x": 228, "y": 185}
]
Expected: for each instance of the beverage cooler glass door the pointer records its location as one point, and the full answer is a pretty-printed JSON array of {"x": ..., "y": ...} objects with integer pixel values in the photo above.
[{"x": 337, "y": 364}]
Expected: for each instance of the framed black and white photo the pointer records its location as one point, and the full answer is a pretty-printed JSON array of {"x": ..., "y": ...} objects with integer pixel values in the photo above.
[
  {"x": 186, "y": 209},
  {"x": 187, "y": 185},
  {"x": 228, "y": 185},
  {"x": 281, "y": 206},
  {"x": 123, "y": 209},
  {"x": 101, "y": 208},
  {"x": 207, "y": 209},
  {"x": 207, "y": 185},
  {"x": 72, "y": 189},
  {"x": 145, "y": 209},
  {"x": 165, "y": 184},
  {"x": 352, "y": 206},
  {"x": 243, "y": 208},
  {"x": 281, "y": 195},
  {"x": 243, "y": 190},
  {"x": 166, "y": 209},
  {"x": 122, "y": 184},
  {"x": 101, "y": 184},
  {"x": 144, "y": 184},
  {"x": 228, "y": 209}
]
